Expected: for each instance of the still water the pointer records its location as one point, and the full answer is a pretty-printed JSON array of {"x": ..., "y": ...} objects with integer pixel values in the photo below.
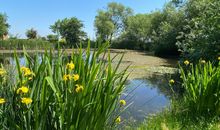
[{"x": 144, "y": 97}]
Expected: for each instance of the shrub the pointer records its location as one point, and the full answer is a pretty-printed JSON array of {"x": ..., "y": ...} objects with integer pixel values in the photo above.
[
  {"x": 52, "y": 38},
  {"x": 200, "y": 37},
  {"x": 57, "y": 92},
  {"x": 130, "y": 44}
]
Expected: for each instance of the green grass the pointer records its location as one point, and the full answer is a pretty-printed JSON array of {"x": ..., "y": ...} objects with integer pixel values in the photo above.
[
  {"x": 177, "y": 120},
  {"x": 91, "y": 102}
]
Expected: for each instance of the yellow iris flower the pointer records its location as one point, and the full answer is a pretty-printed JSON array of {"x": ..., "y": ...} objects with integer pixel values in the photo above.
[{"x": 26, "y": 100}]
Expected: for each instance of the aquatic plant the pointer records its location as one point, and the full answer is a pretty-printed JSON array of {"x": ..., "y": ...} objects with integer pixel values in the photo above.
[
  {"x": 61, "y": 92},
  {"x": 201, "y": 82}
]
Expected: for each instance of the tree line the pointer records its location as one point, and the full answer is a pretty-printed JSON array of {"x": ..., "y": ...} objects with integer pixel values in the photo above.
[{"x": 189, "y": 28}]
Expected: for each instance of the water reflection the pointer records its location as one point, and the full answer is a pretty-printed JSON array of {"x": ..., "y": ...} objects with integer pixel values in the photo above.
[{"x": 145, "y": 97}]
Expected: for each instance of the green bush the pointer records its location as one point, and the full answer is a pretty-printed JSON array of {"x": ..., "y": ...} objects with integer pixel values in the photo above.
[
  {"x": 30, "y": 44},
  {"x": 202, "y": 88},
  {"x": 200, "y": 37},
  {"x": 60, "y": 92},
  {"x": 130, "y": 44}
]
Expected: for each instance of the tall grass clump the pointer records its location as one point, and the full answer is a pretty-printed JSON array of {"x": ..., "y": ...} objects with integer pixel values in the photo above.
[
  {"x": 55, "y": 91},
  {"x": 202, "y": 88}
]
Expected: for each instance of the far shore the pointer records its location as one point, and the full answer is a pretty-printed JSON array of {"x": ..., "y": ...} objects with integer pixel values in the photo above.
[{"x": 142, "y": 64}]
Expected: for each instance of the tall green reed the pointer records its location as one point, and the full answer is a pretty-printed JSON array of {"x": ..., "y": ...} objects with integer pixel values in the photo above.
[
  {"x": 202, "y": 88},
  {"x": 30, "y": 44},
  {"x": 77, "y": 92}
]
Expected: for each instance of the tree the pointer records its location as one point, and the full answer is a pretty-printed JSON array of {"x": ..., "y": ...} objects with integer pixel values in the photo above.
[
  {"x": 31, "y": 33},
  {"x": 110, "y": 23},
  {"x": 3, "y": 25},
  {"x": 166, "y": 26},
  {"x": 200, "y": 37},
  {"x": 104, "y": 26},
  {"x": 137, "y": 33},
  {"x": 52, "y": 38},
  {"x": 138, "y": 27},
  {"x": 70, "y": 29}
]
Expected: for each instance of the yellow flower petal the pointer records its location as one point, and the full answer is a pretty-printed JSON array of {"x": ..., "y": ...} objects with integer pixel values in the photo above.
[
  {"x": 186, "y": 62},
  {"x": 2, "y": 101},
  {"x": 122, "y": 102},
  {"x": 22, "y": 89},
  {"x": 79, "y": 88},
  {"x": 2, "y": 72},
  {"x": 26, "y": 71},
  {"x": 75, "y": 77},
  {"x": 118, "y": 120},
  {"x": 26, "y": 100},
  {"x": 171, "y": 81},
  {"x": 67, "y": 77},
  {"x": 70, "y": 66}
]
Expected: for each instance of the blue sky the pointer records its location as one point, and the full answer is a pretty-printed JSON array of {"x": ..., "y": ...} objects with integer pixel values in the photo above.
[{"x": 40, "y": 14}]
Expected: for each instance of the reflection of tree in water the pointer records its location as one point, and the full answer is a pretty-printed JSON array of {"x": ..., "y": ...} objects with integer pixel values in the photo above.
[{"x": 162, "y": 83}]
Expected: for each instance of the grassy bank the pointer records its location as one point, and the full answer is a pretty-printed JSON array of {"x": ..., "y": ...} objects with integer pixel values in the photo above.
[
  {"x": 176, "y": 119},
  {"x": 198, "y": 107}
]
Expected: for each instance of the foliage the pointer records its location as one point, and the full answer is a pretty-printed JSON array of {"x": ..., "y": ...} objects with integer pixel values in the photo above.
[
  {"x": 30, "y": 44},
  {"x": 124, "y": 43},
  {"x": 3, "y": 25},
  {"x": 110, "y": 23},
  {"x": 11, "y": 36},
  {"x": 63, "y": 93},
  {"x": 201, "y": 97},
  {"x": 70, "y": 29},
  {"x": 42, "y": 38},
  {"x": 202, "y": 88},
  {"x": 187, "y": 27},
  {"x": 200, "y": 37},
  {"x": 31, "y": 33},
  {"x": 138, "y": 27},
  {"x": 52, "y": 38},
  {"x": 137, "y": 33},
  {"x": 165, "y": 28},
  {"x": 175, "y": 119},
  {"x": 104, "y": 26}
]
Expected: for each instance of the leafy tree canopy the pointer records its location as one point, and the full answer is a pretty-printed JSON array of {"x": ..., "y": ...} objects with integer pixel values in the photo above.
[
  {"x": 3, "y": 25},
  {"x": 31, "y": 33},
  {"x": 110, "y": 23},
  {"x": 70, "y": 29}
]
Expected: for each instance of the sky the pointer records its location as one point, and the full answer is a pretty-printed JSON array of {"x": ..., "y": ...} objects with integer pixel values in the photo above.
[{"x": 40, "y": 14}]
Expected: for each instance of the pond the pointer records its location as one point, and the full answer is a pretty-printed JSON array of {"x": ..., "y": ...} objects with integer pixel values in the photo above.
[{"x": 144, "y": 96}]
